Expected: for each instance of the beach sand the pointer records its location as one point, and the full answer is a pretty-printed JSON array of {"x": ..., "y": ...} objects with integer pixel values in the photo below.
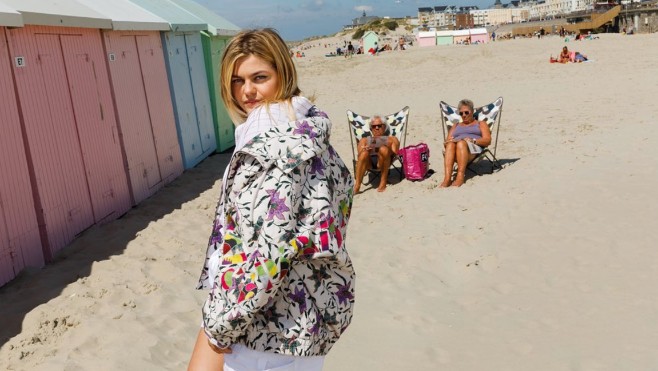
[{"x": 547, "y": 264}]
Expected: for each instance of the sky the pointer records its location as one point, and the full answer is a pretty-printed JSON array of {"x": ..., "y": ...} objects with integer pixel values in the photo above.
[{"x": 298, "y": 19}]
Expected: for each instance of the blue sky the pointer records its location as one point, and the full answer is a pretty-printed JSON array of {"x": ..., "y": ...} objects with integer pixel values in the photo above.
[{"x": 298, "y": 19}]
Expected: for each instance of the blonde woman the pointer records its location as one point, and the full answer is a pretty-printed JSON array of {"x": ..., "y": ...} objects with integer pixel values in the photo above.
[{"x": 281, "y": 281}]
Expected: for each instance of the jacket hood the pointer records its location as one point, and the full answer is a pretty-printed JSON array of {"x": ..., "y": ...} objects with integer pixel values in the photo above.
[{"x": 286, "y": 146}]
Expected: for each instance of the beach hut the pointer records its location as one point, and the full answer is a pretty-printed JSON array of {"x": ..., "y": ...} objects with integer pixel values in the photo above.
[
  {"x": 145, "y": 116},
  {"x": 426, "y": 38},
  {"x": 444, "y": 38},
  {"x": 479, "y": 35},
  {"x": 214, "y": 42},
  {"x": 20, "y": 244},
  {"x": 186, "y": 70},
  {"x": 369, "y": 40},
  {"x": 67, "y": 116},
  {"x": 460, "y": 36}
]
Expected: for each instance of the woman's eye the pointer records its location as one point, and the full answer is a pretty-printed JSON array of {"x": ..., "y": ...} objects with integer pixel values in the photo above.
[
  {"x": 260, "y": 78},
  {"x": 236, "y": 81}
]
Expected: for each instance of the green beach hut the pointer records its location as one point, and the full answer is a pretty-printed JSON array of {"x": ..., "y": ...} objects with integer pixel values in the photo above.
[
  {"x": 214, "y": 41},
  {"x": 369, "y": 40},
  {"x": 444, "y": 37}
]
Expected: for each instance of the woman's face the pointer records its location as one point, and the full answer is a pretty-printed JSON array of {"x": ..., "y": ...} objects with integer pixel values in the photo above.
[
  {"x": 466, "y": 113},
  {"x": 254, "y": 81}
]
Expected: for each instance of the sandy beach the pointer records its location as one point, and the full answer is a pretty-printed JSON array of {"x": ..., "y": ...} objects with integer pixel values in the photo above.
[{"x": 547, "y": 264}]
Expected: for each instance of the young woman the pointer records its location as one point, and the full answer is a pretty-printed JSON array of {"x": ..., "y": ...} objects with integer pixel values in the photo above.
[
  {"x": 281, "y": 281},
  {"x": 456, "y": 146}
]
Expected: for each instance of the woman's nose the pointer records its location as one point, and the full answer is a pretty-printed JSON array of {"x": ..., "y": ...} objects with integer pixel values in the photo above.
[{"x": 249, "y": 88}]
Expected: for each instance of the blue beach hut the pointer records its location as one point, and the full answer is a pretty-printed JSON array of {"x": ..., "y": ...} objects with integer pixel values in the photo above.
[
  {"x": 186, "y": 70},
  {"x": 214, "y": 41}
]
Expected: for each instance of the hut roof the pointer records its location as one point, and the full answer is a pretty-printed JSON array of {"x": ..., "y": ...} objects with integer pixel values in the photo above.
[
  {"x": 179, "y": 19},
  {"x": 9, "y": 16},
  {"x": 219, "y": 26},
  {"x": 127, "y": 16},
  {"x": 66, "y": 13}
]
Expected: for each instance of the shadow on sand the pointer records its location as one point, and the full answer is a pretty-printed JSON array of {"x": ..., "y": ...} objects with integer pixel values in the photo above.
[{"x": 34, "y": 287}]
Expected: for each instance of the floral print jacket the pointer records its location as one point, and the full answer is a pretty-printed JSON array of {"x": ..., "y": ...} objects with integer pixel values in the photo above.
[{"x": 285, "y": 282}]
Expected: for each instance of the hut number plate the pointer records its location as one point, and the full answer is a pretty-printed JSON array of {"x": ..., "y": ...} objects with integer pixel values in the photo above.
[
  {"x": 112, "y": 57},
  {"x": 20, "y": 61}
]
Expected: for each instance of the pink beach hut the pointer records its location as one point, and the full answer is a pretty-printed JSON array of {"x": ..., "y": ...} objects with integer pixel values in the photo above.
[
  {"x": 145, "y": 115},
  {"x": 426, "y": 38},
  {"x": 68, "y": 118},
  {"x": 20, "y": 244},
  {"x": 479, "y": 35}
]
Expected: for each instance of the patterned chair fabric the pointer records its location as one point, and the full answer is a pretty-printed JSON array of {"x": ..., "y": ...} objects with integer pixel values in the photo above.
[
  {"x": 489, "y": 113},
  {"x": 396, "y": 124}
]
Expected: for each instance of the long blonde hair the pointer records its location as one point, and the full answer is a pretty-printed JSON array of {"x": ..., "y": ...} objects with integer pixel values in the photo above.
[{"x": 267, "y": 45}]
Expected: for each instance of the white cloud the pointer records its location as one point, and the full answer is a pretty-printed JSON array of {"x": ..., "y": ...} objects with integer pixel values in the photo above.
[
  {"x": 313, "y": 5},
  {"x": 363, "y": 8}
]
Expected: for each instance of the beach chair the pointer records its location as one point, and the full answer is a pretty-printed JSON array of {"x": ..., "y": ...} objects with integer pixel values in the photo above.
[
  {"x": 396, "y": 124},
  {"x": 491, "y": 114}
]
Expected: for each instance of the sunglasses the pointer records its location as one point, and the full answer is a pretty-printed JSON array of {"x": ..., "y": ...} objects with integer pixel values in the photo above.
[
  {"x": 464, "y": 113},
  {"x": 376, "y": 126}
]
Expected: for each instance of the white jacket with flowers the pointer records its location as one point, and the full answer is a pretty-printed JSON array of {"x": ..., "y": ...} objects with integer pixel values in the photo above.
[{"x": 285, "y": 282}]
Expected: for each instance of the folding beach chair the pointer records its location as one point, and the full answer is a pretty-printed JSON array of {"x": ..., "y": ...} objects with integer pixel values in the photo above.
[
  {"x": 396, "y": 124},
  {"x": 491, "y": 114}
]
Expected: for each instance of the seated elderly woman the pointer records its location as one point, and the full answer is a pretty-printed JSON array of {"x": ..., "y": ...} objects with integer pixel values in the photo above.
[
  {"x": 456, "y": 146},
  {"x": 376, "y": 150}
]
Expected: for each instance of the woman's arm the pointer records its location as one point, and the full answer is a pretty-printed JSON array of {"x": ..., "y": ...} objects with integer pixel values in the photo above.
[
  {"x": 486, "y": 135},
  {"x": 206, "y": 357},
  {"x": 449, "y": 136}
]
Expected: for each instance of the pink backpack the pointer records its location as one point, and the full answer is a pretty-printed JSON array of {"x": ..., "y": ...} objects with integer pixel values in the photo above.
[{"x": 415, "y": 161}]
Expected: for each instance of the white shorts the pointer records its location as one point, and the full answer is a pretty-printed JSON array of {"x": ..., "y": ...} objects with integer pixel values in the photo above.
[{"x": 245, "y": 359}]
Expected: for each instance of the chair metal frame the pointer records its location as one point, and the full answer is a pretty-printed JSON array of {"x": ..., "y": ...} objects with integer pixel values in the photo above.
[
  {"x": 491, "y": 114},
  {"x": 396, "y": 125}
]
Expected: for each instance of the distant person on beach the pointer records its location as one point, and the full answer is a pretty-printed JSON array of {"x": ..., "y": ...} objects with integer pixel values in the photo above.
[
  {"x": 456, "y": 146},
  {"x": 377, "y": 150},
  {"x": 579, "y": 57},
  {"x": 280, "y": 279},
  {"x": 565, "y": 55}
]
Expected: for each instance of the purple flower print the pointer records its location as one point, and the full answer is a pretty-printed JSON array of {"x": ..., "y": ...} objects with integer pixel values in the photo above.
[
  {"x": 277, "y": 205},
  {"x": 344, "y": 294},
  {"x": 300, "y": 298},
  {"x": 317, "y": 167},
  {"x": 304, "y": 128}
]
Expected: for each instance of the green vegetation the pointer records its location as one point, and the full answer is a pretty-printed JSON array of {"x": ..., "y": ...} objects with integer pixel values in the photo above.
[
  {"x": 391, "y": 25},
  {"x": 358, "y": 34}
]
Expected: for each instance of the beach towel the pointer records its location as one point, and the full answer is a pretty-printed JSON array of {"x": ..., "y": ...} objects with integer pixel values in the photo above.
[{"x": 415, "y": 161}]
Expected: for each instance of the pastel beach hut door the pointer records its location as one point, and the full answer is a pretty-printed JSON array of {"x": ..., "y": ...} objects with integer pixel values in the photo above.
[
  {"x": 70, "y": 128},
  {"x": 426, "y": 38},
  {"x": 187, "y": 76},
  {"x": 187, "y": 79},
  {"x": 140, "y": 88},
  {"x": 214, "y": 42},
  {"x": 213, "y": 47},
  {"x": 20, "y": 244},
  {"x": 443, "y": 37},
  {"x": 144, "y": 111}
]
